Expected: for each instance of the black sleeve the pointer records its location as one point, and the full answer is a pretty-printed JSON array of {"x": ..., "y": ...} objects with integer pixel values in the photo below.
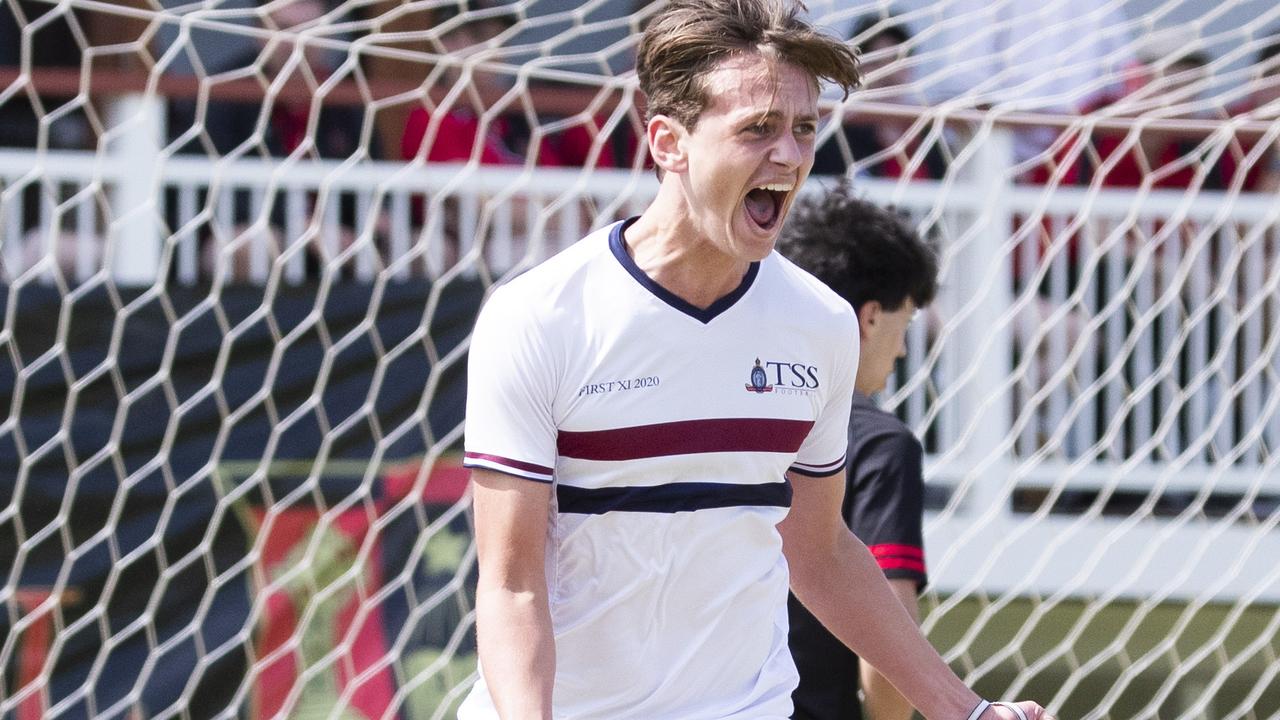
[{"x": 886, "y": 503}]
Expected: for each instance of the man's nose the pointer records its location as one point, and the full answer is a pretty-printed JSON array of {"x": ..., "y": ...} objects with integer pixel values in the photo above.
[{"x": 787, "y": 151}]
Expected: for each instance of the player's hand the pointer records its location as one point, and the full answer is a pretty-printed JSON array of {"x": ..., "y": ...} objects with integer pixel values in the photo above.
[{"x": 1025, "y": 710}]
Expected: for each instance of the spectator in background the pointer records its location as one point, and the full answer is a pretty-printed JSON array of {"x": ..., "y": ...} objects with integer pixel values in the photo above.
[
  {"x": 572, "y": 146},
  {"x": 1166, "y": 78},
  {"x": 620, "y": 148},
  {"x": 1171, "y": 71},
  {"x": 894, "y": 149},
  {"x": 1054, "y": 57},
  {"x": 887, "y": 273},
  {"x": 230, "y": 124},
  {"x": 1266, "y": 93},
  {"x": 462, "y": 130},
  {"x": 1262, "y": 103},
  {"x": 506, "y": 137},
  {"x": 276, "y": 126},
  {"x": 53, "y": 46},
  {"x": 465, "y": 131},
  {"x": 1029, "y": 55}
]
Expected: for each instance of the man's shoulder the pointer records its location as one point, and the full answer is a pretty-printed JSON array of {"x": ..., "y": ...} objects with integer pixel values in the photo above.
[
  {"x": 869, "y": 421},
  {"x": 885, "y": 457},
  {"x": 543, "y": 283},
  {"x": 806, "y": 289}
]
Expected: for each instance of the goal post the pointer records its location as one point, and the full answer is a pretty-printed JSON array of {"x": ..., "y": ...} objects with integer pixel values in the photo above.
[{"x": 242, "y": 246}]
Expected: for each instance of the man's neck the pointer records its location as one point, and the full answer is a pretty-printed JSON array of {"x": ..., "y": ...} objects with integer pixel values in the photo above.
[{"x": 668, "y": 247}]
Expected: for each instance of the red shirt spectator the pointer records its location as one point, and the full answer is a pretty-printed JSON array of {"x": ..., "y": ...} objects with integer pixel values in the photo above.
[
  {"x": 455, "y": 139},
  {"x": 1263, "y": 174},
  {"x": 571, "y": 147},
  {"x": 1140, "y": 159},
  {"x": 1114, "y": 159}
]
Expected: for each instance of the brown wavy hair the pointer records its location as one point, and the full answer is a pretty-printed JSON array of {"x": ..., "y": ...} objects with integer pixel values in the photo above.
[{"x": 689, "y": 38}]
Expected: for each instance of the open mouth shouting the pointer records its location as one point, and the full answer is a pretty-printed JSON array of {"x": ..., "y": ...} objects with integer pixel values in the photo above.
[{"x": 764, "y": 204}]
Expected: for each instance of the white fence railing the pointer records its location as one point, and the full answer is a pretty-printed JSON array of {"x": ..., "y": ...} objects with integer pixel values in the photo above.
[
  {"x": 237, "y": 217},
  {"x": 1087, "y": 344}
]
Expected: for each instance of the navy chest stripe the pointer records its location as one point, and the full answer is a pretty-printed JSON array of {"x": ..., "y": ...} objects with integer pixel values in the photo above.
[
  {"x": 671, "y": 498},
  {"x": 687, "y": 437}
]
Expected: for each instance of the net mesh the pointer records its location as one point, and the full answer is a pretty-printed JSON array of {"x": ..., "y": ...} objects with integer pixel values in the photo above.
[{"x": 242, "y": 248}]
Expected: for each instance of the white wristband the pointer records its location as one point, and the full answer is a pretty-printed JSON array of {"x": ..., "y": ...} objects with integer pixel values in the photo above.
[
  {"x": 977, "y": 712},
  {"x": 1016, "y": 710}
]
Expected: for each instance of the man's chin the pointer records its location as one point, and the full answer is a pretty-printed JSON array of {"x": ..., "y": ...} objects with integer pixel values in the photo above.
[
  {"x": 754, "y": 248},
  {"x": 754, "y": 242}
]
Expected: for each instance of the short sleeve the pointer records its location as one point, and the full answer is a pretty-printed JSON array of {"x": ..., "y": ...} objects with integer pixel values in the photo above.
[
  {"x": 886, "y": 503},
  {"x": 510, "y": 388},
  {"x": 823, "y": 452}
]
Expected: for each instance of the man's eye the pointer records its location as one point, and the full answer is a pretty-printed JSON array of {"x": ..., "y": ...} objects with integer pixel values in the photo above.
[
  {"x": 806, "y": 129},
  {"x": 759, "y": 129}
]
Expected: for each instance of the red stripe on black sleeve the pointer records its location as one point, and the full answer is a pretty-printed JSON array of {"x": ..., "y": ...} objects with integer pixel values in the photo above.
[
  {"x": 891, "y": 549},
  {"x": 893, "y": 563}
]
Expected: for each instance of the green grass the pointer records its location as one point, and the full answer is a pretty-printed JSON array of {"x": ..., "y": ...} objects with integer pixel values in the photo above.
[
  {"x": 1187, "y": 655},
  {"x": 1128, "y": 660},
  {"x": 1117, "y": 636}
]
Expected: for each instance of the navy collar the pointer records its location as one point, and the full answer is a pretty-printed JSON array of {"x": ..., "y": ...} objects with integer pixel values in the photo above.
[{"x": 619, "y": 247}]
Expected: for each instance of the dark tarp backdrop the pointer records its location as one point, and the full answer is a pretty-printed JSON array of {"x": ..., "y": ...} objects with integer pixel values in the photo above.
[{"x": 119, "y": 406}]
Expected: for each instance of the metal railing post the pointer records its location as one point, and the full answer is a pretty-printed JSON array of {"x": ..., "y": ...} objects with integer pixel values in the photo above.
[
  {"x": 134, "y": 239},
  {"x": 983, "y": 285}
]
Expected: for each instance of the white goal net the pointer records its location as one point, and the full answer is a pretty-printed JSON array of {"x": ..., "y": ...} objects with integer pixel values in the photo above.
[{"x": 242, "y": 246}]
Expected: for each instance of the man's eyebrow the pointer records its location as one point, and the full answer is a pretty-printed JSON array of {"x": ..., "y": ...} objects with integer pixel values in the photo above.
[
  {"x": 755, "y": 115},
  {"x": 762, "y": 116}
]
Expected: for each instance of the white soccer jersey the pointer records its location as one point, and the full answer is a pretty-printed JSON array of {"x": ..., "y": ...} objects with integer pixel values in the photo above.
[{"x": 666, "y": 430}]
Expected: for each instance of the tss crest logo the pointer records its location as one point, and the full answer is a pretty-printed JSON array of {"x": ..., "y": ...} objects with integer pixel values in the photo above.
[{"x": 784, "y": 376}]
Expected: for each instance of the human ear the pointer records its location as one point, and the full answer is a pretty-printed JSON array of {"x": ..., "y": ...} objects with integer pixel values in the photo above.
[
  {"x": 666, "y": 144},
  {"x": 869, "y": 317}
]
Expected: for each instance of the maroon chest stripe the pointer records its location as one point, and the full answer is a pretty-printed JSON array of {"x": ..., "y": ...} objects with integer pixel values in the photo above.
[{"x": 687, "y": 437}]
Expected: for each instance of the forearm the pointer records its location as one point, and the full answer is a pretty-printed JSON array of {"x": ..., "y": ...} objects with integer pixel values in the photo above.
[
  {"x": 513, "y": 613},
  {"x": 843, "y": 587},
  {"x": 517, "y": 650},
  {"x": 882, "y": 700}
]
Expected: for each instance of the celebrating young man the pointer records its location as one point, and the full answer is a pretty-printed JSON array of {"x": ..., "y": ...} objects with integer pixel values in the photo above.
[{"x": 657, "y": 417}]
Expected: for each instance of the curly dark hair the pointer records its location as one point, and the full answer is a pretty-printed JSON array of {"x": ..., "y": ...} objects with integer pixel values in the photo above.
[{"x": 860, "y": 250}]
